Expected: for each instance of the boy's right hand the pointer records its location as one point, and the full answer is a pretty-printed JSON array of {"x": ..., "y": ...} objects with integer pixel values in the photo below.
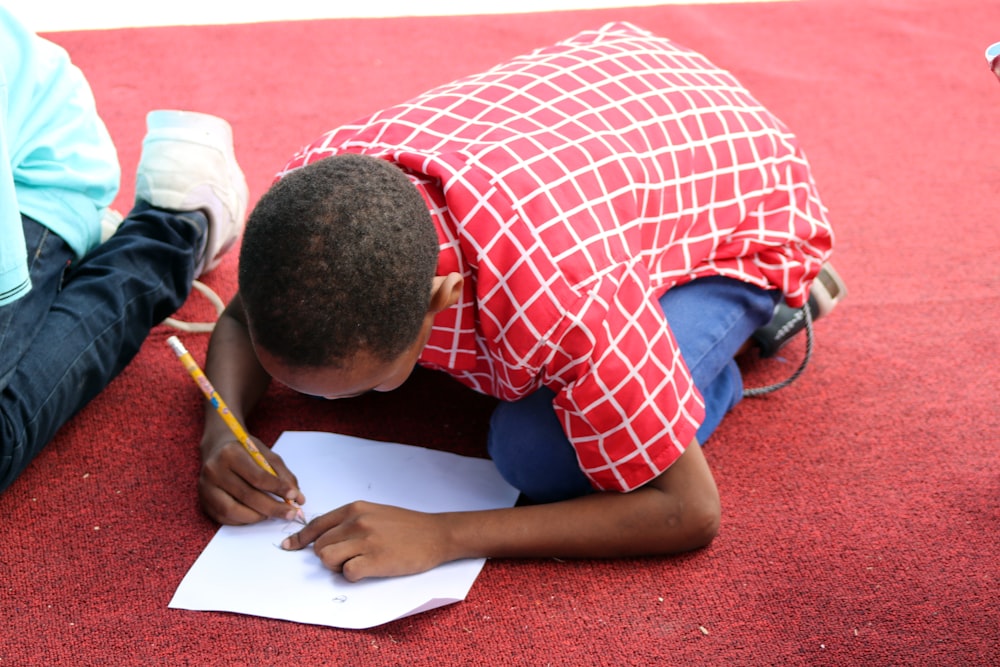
[{"x": 234, "y": 490}]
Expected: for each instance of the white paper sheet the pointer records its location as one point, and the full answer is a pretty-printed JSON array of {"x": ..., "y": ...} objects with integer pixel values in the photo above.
[{"x": 244, "y": 570}]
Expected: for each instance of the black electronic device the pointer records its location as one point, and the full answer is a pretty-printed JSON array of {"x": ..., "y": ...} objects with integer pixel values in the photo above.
[{"x": 827, "y": 290}]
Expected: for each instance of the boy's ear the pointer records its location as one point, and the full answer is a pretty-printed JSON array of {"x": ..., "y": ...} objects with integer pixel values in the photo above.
[{"x": 445, "y": 292}]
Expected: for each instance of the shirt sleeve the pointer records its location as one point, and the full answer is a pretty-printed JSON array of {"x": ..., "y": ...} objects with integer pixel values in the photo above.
[{"x": 624, "y": 394}]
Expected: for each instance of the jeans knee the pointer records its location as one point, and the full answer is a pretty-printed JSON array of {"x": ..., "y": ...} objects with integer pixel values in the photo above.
[
  {"x": 11, "y": 450},
  {"x": 532, "y": 453}
]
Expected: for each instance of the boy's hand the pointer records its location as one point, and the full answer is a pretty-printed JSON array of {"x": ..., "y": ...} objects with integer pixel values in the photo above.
[
  {"x": 234, "y": 490},
  {"x": 365, "y": 539}
]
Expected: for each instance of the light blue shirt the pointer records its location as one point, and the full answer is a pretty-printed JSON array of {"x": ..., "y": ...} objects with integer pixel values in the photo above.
[{"x": 57, "y": 162}]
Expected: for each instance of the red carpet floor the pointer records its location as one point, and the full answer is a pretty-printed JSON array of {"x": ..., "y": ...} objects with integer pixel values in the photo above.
[{"x": 861, "y": 506}]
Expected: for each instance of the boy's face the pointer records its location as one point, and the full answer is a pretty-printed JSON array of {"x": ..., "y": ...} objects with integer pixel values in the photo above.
[{"x": 364, "y": 375}]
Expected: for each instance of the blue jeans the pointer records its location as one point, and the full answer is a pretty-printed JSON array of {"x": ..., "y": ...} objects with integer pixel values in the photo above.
[
  {"x": 82, "y": 322},
  {"x": 711, "y": 318}
]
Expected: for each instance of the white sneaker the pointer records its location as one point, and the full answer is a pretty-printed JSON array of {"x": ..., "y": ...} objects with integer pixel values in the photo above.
[
  {"x": 188, "y": 164},
  {"x": 111, "y": 220}
]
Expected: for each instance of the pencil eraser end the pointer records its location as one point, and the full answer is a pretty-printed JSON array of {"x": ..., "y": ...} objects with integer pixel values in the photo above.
[{"x": 176, "y": 345}]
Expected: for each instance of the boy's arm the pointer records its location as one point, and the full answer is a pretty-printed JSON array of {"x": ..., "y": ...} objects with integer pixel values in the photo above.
[
  {"x": 678, "y": 511},
  {"x": 233, "y": 489}
]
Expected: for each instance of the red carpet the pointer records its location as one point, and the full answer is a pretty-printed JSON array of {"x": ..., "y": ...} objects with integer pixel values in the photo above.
[{"x": 861, "y": 506}]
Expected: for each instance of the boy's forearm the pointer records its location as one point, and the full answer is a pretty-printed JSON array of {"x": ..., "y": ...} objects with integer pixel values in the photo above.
[
  {"x": 233, "y": 369},
  {"x": 677, "y": 512}
]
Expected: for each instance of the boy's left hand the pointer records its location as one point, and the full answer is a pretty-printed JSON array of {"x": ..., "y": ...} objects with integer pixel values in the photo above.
[{"x": 366, "y": 539}]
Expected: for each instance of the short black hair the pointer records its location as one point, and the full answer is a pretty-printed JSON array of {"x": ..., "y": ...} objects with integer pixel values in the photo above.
[{"x": 338, "y": 257}]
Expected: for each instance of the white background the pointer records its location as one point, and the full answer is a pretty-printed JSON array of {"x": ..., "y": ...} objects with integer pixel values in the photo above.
[{"x": 59, "y": 15}]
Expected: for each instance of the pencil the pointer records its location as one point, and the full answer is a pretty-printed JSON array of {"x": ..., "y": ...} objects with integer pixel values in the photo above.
[{"x": 227, "y": 416}]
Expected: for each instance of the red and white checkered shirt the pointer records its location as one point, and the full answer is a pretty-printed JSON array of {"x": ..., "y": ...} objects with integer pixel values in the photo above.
[{"x": 571, "y": 188}]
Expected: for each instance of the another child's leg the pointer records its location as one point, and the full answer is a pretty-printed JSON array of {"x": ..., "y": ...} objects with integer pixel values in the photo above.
[
  {"x": 93, "y": 327},
  {"x": 49, "y": 259},
  {"x": 711, "y": 318},
  {"x": 191, "y": 205}
]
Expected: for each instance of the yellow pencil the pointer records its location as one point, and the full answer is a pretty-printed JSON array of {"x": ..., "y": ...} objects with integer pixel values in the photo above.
[{"x": 227, "y": 416}]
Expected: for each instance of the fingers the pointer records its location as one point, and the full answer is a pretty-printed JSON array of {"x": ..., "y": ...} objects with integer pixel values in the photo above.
[
  {"x": 364, "y": 539},
  {"x": 320, "y": 526},
  {"x": 338, "y": 545},
  {"x": 223, "y": 508},
  {"x": 235, "y": 490},
  {"x": 356, "y": 568},
  {"x": 291, "y": 489}
]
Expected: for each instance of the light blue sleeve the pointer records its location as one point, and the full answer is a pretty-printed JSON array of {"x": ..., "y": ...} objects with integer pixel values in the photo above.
[{"x": 59, "y": 166}]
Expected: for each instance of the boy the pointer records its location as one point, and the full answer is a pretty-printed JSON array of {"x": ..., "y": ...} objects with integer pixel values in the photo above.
[
  {"x": 74, "y": 310},
  {"x": 590, "y": 232}
]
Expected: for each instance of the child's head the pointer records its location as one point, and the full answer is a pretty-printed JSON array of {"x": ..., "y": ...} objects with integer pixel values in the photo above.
[{"x": 337, "y": 263}]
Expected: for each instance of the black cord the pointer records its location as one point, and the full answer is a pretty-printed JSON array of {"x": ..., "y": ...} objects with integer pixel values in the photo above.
[{"x": 760, "y": 391}]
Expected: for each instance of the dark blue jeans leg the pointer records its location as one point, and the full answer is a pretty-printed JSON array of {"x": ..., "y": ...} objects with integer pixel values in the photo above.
[
  {"x": 49, "y": 259},
  {"x": 711, "y": 318},
  {"x": 82, "y": 324}
]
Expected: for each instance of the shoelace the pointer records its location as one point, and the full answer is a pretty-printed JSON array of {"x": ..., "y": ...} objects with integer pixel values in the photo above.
[
  {"x": 110, "y": 220},
  {"x": 199, "y": 327}
]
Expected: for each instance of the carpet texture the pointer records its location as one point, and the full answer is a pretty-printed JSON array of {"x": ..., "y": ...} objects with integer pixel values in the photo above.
[{"x": 861, "y": 506}]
